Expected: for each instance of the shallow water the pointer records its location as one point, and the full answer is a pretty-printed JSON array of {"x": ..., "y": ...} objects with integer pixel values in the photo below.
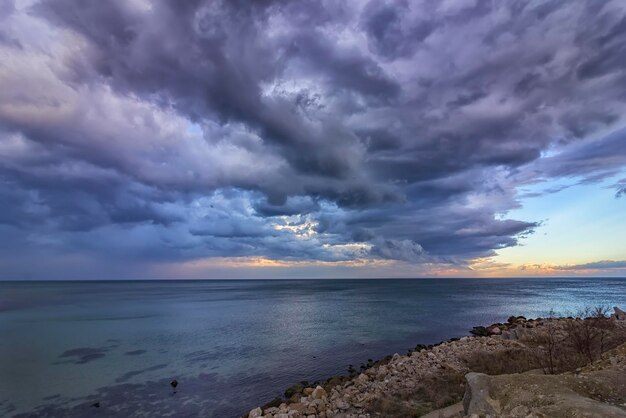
[{"x": 235, "y": 344}]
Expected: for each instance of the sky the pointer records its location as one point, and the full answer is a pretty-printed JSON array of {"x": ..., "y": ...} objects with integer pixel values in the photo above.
[{"x": 312, "y": 138}]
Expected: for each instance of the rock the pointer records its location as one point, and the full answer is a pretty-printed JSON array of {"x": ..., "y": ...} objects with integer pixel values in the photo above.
[
  {"x": 363, "y": 378},
  {"x": 507, "y": 335},
  {"x": 319, "y": 393},
  {"x": 494, "y": 330},
  {"x": 619, "y": 314},
  {"x": 174, "y": 383},
  {"x": 515, "y": 333},
  {"x": 297, "y": 406},
  {"x": 520, "y": 411},
  {"x": 307, "y": 391},
  {"x": 342, "y": 405},
  {"x": 318, "y": 404},
  {"x": 516, "y": 319},
  {"x": 476, "y": 399},
  {"x": 255, "y": 413},
  {"x": 95, "y": 405},
  {"x": 452, "y": 411}
]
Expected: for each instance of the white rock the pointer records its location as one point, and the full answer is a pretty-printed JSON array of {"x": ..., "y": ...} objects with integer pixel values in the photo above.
[
  {"x": 343, "y": 405},
  {"x": 494, "y": 330},
  {"x": 363, "y": 378},
  {"x": 255, "y": 413},
  {"x": 319, "y": 393}
]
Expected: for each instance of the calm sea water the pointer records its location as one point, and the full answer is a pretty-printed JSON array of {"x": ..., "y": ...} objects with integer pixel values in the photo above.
[{"x": 235, "y": 344}]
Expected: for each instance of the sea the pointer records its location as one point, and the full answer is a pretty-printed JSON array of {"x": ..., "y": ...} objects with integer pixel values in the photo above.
[{"x": 112, "y": 348}]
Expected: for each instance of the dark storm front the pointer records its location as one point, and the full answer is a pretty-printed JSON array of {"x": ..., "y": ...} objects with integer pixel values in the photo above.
[{"x": 231, "y": 345}]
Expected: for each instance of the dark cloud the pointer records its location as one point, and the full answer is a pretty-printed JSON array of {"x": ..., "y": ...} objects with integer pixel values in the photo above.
[
  {"x": 405, "y": 250},
  {"x": 390, "y": 33},
  {"x": 294, "y": 205},
  {"x": 598, "y": 265},
  {"x": 608, "y": 57},
  {"x": 309, "y": 130},
  {"x": 590, "y": 160}
]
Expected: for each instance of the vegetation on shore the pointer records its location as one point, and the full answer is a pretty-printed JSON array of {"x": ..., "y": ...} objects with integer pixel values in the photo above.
[{"x": 433, "y": 377}]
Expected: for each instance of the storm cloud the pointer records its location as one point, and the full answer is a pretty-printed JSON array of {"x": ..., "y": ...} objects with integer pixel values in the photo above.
[{"x": 173, "y": 131}]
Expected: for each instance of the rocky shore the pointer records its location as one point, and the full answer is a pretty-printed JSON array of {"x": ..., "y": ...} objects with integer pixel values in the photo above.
[{"x": 544, "y": 367}]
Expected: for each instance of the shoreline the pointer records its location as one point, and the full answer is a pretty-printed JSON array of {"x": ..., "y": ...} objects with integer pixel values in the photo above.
[{"x": 377, "y": 387}]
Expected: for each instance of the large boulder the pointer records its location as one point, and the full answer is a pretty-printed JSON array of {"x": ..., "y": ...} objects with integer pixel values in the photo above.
[
  {"x": 477, "y": 399},
  {"x": 319, "y": 393},
  {"x": 494, "y": 330},
  {"x": 619, "y": 314}
]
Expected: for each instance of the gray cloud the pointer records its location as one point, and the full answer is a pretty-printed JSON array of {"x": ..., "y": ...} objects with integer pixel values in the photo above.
[
  {"x": 621, "y": 188},
  {"x": 598, "y": 265},
  {"x": 299, "y": 130}
]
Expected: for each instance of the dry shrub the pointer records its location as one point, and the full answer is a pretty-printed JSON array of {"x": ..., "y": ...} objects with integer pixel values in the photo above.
[
  {"x": 434, "y": 391},
  {"x": 565, "y": 345},
  {"x": 557, "y": 346},
  {"x": 396, "y": 408},
  {"x": 511, "y": 360},
  {"x": 443, "y": 389},
  {"x": 594, "y": 334}
]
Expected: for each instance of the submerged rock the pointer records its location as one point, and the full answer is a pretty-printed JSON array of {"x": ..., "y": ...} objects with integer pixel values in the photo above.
[
  {"x": 480, "y": 331},
  {"x": 293, "y": 390}
]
